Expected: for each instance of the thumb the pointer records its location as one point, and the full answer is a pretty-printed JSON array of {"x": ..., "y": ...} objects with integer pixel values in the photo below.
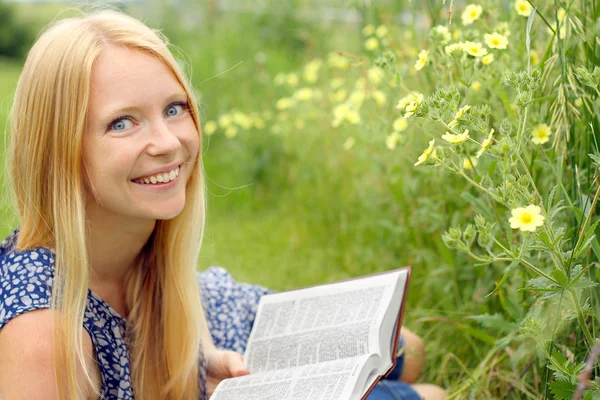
[{"x": 235, "y": 364}]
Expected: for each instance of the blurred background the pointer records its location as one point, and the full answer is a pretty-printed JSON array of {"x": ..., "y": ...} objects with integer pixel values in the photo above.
[
  {"x": 293, "y": 199},
  {"x": 286, "y": 209}
]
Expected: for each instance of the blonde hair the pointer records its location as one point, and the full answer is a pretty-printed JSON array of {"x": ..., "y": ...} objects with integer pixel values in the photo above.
[{"x": 48, "y": 120}]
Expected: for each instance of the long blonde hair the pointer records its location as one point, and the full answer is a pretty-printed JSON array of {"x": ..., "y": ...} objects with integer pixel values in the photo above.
[{"x": 48, "y": 120}]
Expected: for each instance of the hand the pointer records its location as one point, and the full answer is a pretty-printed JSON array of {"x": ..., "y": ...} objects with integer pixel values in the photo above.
[{"x": 223, "y": 364}]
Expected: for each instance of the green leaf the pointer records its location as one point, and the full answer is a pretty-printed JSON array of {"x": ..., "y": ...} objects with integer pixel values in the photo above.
[
  {"x": 495, "y": 322},
  {"x": 504, "y": 277},
  {"x": 587, "y": 240},
  {"x": 560, "y": 277},
  {"x": 563, "y": 390}
]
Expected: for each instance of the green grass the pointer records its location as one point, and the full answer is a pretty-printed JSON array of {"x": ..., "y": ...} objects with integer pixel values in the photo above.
[{"x": 9, "y": 74}]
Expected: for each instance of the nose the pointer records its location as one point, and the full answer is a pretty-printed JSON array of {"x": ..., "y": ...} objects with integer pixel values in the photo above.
[{"x": 163, "y": 141}]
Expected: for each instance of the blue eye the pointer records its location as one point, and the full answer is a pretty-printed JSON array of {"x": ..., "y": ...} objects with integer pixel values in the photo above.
[
  {"x": 175, "y": 109},
  {"x": 120, "y": 124}
]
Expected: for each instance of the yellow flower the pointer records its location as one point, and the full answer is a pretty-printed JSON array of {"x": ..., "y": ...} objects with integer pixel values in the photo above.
[
  {"x": 279, "y": 79},
  {"x": 225, "y": 120},
  {"x": 406, "y": 100},
  {"x": 379, "y": 97},
  {"x": 375, "y": 75},
  {"x": 461, "y": 112},
  {"x": 311, "y": 70},
  {"x": 487, "y": 59},
  {"x": 469, "y": 163},
  {"x": 353, "y": 117},
  {"x": 578, "y": 102},
  {"x": 242, "y": 120},
  {"x": 360, "y": 83},
  {"x": 475, "y": 49},
  {"x": 454, "y": 47},
  {"x": 368, "y": 30},
  {"x": 400, "y": 124},
  {"x": 292, "y": 79},
  {"x": 526, "y": 218},
  {"x": 381, "y": 31},
  {"x": 534, "y": 57},
  {"x": 422, "y": 59},
  {"x": 412, "y": 108},
  {"x": 471, "y": 14},
  {"x": 311, "y": 76},
  {"x": 231, "y": 132},
  {"x": 339, "y": 96},
  {"x": 523, "y": 7},
  {"x": 372, "y": 44},
  {"x": 340, "y": 111},
  {"x": 258, "y": 122},
  {"x": 503, "y": 29},
  {"x": 357, "y": 98},
  {"x": 496, "y": 40},
  {"x": 428, "y": 152},
  {"x": 284, "y": 103},
  {"x": 562, "y": 27},
  {"x": 456, "y": 139},
  {"x": 485, "y": 145},
  {"x": 392, "y": 140},
  {"x": 304, "y": 94},
  {"x": 337, "y": 61},
  {"x": 210, "y": 127},
  {"x": 442, "y": 32},
  {"x": 541, "y": 134},
  {"x": 337, "y": 83},
  {"x": 476, "y": 85},
  {"x": 349, "y": 143}
]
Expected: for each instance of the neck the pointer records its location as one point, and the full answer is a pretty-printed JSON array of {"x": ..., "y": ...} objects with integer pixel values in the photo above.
[{"x": 113, "y": 246}]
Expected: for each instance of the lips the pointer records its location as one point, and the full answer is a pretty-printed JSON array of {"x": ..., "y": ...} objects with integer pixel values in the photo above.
[{"x": 158, "y": 178}]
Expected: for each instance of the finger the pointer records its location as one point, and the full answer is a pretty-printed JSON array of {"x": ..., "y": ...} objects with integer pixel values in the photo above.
[{"x": 235, "y": 364}]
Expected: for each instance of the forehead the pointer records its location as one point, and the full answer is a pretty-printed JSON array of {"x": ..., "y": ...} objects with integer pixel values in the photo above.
[{"x": 122, "y": 75}]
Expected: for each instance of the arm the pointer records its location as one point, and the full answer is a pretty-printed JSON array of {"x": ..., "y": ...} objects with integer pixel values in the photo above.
[{"x": 27, "y": 362}]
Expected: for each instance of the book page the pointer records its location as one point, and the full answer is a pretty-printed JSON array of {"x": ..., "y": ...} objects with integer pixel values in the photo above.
[
  {"x": 333, "y": 380},
  {"x": 318, "y": 324}
]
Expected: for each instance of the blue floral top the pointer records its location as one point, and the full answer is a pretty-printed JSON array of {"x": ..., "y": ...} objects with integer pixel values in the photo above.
[{"x": 26, "y": 284}]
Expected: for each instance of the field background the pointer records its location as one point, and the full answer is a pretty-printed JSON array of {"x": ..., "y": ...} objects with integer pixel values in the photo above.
[
  {"x": 314, "y": 203},
  {"x": 303, "y": 212}
]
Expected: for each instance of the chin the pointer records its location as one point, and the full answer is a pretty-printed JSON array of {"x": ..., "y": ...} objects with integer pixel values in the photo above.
[{"x": 166, "y": 215}]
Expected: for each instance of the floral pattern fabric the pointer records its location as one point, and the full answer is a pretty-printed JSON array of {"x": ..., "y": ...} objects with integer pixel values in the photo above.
[{"x": 26, "y": 284}]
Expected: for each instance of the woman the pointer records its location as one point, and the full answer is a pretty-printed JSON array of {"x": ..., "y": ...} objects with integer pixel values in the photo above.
[{"x": 98, "y": 296}]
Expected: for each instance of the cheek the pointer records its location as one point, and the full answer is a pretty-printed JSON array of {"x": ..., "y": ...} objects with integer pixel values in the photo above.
[{"x": 191, "y": 140}]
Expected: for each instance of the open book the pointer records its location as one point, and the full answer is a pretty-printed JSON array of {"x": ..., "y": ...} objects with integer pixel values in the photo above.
[{"x": 329, "y": 342}]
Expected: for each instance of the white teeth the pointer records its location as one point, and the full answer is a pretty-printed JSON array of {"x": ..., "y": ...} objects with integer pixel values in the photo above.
[{"x": 160, "y": 178}]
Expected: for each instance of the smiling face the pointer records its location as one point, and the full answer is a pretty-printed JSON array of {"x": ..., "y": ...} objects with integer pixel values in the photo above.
[{"x": 141, "y": 141}]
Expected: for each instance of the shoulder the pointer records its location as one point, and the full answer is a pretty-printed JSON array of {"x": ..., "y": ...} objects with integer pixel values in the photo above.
[
  {"x": 25, "y": 281},
  {"x": 219, "y": 288},
  {"x": 27, "y": 363},
  {"x": 230, "y": 307}
]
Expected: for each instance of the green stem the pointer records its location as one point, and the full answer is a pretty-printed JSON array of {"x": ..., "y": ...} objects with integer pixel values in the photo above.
[{"x": 581, "y": 318}]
